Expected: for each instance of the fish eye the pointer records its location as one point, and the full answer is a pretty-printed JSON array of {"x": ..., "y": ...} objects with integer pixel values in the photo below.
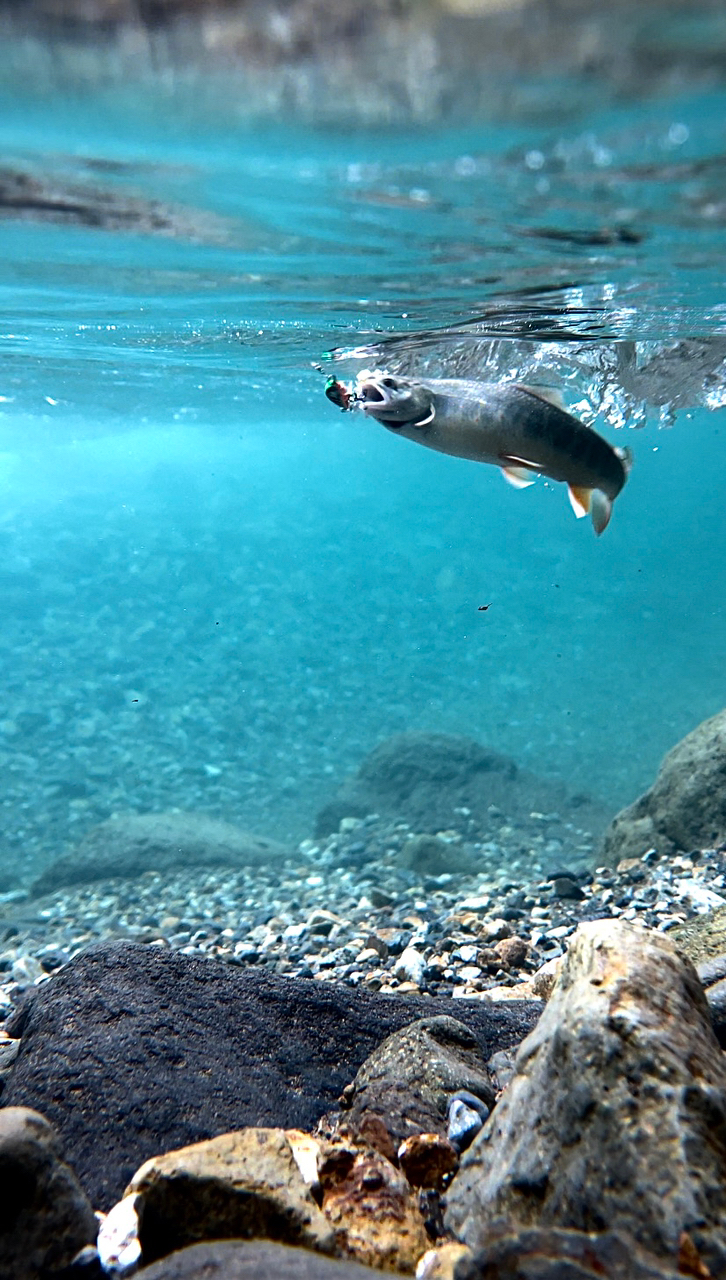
[{"x": 390, "y": 383}]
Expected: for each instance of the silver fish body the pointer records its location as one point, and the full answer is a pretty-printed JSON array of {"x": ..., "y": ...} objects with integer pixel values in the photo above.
[{"x": 523, "y": 431}]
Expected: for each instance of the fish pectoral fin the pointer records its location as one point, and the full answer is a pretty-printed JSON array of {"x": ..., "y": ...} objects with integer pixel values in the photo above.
[
  {"x": 522, "y": 464},
  {"x": 547, "y": 394},
  {"x": 519, "y": 477}
]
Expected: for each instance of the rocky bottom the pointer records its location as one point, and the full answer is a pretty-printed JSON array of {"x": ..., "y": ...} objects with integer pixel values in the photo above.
[
  {"x": 345, "y": 910},
  {"x": 225, "y": 1122}
]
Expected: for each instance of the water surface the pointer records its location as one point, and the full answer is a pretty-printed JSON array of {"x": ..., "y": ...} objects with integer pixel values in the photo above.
[{"x": 219, "y": 593}]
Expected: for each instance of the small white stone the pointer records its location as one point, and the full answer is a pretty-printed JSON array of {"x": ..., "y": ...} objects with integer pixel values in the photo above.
[
  {"x": 26, "y": 970},
  {"x": 410, "y": 966},
  {"x": 468, "y": 953},
  {"x": 703, "y": 899},
  {"x": 478, "y": 902},
  {"x": 118, "y": 1244},
  {"x": 295, "y": 931}
]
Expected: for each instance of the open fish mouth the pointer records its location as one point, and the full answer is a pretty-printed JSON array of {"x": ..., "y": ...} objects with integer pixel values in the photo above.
[{"x": 371, "y": 393}]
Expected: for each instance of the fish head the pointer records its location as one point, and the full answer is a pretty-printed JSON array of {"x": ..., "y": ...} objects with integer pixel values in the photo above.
[{"x": 391, "y": 399}]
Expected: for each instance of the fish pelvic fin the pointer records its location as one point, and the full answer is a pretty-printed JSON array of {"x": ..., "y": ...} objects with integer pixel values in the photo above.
[
  {"x": 592, "y": 502},
  {"x": 518, "y": 477}
]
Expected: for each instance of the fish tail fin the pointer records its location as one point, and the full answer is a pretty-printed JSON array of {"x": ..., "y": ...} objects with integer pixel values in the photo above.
[
  {"x": 601, "y": 509},
  {"x": 592, "y": 502}
]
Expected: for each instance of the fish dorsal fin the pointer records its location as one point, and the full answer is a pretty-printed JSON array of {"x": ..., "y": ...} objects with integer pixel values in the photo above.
[
  {"x": 519, "y": 477},
  {"x": 547, "y": 394},
  {"x": 580, "y": 500}
]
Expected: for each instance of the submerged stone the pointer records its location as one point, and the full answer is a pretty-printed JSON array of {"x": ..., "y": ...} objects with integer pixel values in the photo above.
[
  {"x": 616, "y": 1116},
  {"x": 133, "y": 843},
  {"x": 132, "y": 1051}
]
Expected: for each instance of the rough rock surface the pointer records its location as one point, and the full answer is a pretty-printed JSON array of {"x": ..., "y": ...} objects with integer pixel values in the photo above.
[
  {"x": 132, "y": 1051},
  {"x": 45, "y": 1218},
  {"x": 236, "y": 1186},
  {"x": 253, "y": 1260},
  {"x": 537, "y": 1253},
  {"x": 424, "y": 778},
  {"x": 408, "y": 1080},
  {"x": 371, "y": 1206},
  {"x": 686, "y": 806},
  {"x": 616, "y": 1117},
  {"x": 703, "y": 938},
  {"x": 134, "y": 843}
]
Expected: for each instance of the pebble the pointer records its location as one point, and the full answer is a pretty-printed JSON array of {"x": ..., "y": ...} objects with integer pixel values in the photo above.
[{"x": 367, "y": 923}]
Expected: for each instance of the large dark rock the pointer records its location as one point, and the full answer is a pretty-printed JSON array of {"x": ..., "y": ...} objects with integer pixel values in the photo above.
[
  {"x": 537, "y": 1253},
  {"x": 615, "y": 1118},
  {"x": 686, "y": 806},
  {"x": 253, "y": 1260},
  {"x": 424, "y": 778},
  {"x": 45, "y": 1218},
  {"x": 131, "y": 1051},
  {"x": 133, "y": 843}
]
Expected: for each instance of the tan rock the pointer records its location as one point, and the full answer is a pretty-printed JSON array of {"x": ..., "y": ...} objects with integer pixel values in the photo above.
[
  {"x": 616, "y": 1117},
  {"x": 45, "y": 1216},
  {"x": 372, "y": 1208},
  {"x": 544, "y": 979},
  {"x": 238, "y": 1185},
  {"x": 441, "y": 1263}
]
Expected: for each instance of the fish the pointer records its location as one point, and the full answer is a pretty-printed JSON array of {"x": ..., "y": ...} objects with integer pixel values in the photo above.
[{"x": 525, "y": 431}]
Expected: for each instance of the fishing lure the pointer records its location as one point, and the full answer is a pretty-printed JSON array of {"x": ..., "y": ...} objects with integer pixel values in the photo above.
[{"x": 339, "y": 393}]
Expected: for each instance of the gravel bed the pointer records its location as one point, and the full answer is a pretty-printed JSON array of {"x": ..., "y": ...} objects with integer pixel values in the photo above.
[{"x": 342, "y": 910}]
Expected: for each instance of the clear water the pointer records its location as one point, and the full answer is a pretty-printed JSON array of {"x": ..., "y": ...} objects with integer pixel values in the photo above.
[{"x": 219, "y": 593}]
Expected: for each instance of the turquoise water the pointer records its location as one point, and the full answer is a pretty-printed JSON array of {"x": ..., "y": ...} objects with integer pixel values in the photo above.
[{"x": 219, "y": 592}]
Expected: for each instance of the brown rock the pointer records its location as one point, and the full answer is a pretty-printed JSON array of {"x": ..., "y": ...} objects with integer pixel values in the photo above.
[
  {"x": 427, "y": 1159},
  {"x": 372, "y": 1208},
  {"x": 45, "y": 1218},
  {"x": 616, "y": 1117},
  {"x": 512, "y": 951},
  {"x": 240, "y": 1184},
  {"x": 686, "y": 806},
  {"x": 407, "y": 1081}
]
